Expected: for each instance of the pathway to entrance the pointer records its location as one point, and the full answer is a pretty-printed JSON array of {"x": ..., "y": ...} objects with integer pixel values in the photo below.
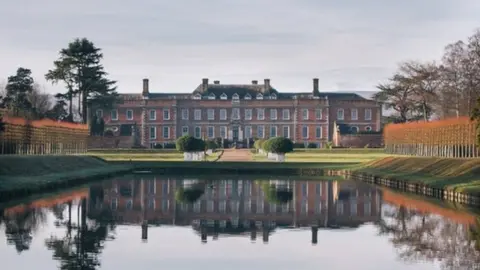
[{"x": 236, "y": 155}]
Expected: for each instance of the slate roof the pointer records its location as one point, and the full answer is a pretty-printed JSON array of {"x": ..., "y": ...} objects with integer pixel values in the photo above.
[{"x": 230, "y": 89}]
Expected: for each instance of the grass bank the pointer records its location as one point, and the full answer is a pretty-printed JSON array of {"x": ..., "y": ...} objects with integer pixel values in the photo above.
[
  {"x": 329, "y": 156},
  {"x": 25, "y": 175},
  {"x": 460, "y": 175}
]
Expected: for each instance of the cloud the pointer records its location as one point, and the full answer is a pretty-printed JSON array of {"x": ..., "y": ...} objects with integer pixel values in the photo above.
[{"x": 347, "y": 44}]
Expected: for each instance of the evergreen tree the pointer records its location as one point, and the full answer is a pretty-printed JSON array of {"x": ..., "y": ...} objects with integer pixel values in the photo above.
[
  {"x": 79, "y": 68},
  {"x": 18, "y": 87}
]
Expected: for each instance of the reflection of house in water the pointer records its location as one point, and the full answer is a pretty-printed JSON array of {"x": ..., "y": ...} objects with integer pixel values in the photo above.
[{"x": 239, "y": 207}]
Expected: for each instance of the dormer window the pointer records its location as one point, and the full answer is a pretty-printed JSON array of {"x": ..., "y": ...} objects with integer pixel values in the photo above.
[
  {"x": 273, "y": 96},
  {"x": 197, "y": 96},
  {"x": 235, "y": 96},
  {"x": 259, "y": 96},
  {"x": 211, "y": 96},
  {"x": 223, "y": 96},
  {"x": 247, "y": 96}
]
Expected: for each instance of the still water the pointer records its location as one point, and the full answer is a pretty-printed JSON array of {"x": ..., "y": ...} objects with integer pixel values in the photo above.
[{"x": 136, "y": 222}]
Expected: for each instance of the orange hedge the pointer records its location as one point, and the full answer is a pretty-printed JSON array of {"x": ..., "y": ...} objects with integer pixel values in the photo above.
[
  {"x": 455, "y": 131},
  {"x": 43, "y": 123}
]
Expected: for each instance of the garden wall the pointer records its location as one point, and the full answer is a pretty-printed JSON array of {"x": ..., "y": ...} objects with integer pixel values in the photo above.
[
  {"x": 42, "y": 137},
  {"x": 452, "y": 138}
]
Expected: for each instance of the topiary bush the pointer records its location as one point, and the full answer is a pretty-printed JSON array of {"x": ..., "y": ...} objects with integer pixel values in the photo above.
[
  {"x": 278, "y": 145},
  {"x": 188, "y": 143}
]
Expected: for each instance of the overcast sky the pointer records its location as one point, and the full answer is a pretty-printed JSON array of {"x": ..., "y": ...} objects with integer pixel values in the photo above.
[{"x": 348, "y": 44}]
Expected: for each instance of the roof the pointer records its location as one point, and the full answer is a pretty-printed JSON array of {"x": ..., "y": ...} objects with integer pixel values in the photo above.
[{"x": 230, "y": 89}]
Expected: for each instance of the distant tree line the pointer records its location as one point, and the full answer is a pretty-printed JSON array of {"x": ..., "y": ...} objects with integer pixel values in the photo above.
[
  {"x": 440, "y": 89},
  {"x": 79, "y": 69}
]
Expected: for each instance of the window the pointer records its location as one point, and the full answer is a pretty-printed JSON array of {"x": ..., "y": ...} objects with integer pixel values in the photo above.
[
  {"x": 235, "y": 96},
  {"x": 273, "y": 131},
  {"x": 152, "y": 115},
  {"x": 248, "y": 114},
  {"x": 286, "y": 114},
  {"x": 318, "y": 114},
  {"x": 305, "y": 132},
  {"x": 222, "y": 206},
  {"x": 248, "y": 96},
  {"x": 353, "y": 207},
  {"x": 260, "y": 207},
  {"x": 285, "y": 207},
  {"x": 273, "y": 96},
  {"x": 318, "y": 207},
  {"x": 367, "y": 208},
  {"x": 129, "y": 204},
  {"x": 198, "y": 114},
  {"x": 184, "y": 114},
  {"x": 129, "y": 114},
  {"x": 210, "y": 132},
  {"x": 152, "y": 187},
  {"x": 198, "y": 132},
  {"x": 286, "y": 131},
  {"x": 368, "y": 114},
  {"x": 318, "y": 132},
  {"x": 166, "y": 114},
  {"x": 114, "y": 203},
  {"x": 184, "y": 130},
  {"x": 273, "y": 208},
  {"x": 223, "y": 114},
  {"x": 248, "y": 206},
  {"x": 305, "y": 114},
  {"x": 354, "y": 114},
  {"x": 354, "y": 129},
  {"x": 223, "y": 96},
  {"x": 166, "y": 132},
  {"x": 261, "y": 132},
  {"x": 210, "y": 206},
  {"x": 196, "y": 206},
  {"x": 223, "y": 132},
  {"x": 259, "y": 96},
  {"x": 236, "y": 114},
  {"x": 273, "y": 114},
  {"x": 339, "y": 208},
  {"x": 114, "y": 114},
  {"x": 304, "y": 207},
  {"x": 248, "y": 132},
  {"x": 211, "y": 96},
  {"x": 153, "y": 133},
  {"x": 318, "y": 189},
  {"x": 99, "y": 113},
  {"x": 165, "y": 205},
  {"x": 304, "y": 189},
  {"x": 260, "y": 114},
  {"x": 340, "y": 115},
  {"x": 234, "y": 206},
  {"x": 211, "y": 114},
  {"x": 368, "y": 128},
  {"x": 151, "y": 204},
  {"x": 197, "y": 96}
]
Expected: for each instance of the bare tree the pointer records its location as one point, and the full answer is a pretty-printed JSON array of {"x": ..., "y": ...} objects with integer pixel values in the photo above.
[{"x": 41, "y": 101}]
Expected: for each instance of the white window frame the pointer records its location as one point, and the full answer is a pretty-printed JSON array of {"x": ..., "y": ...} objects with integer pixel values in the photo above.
[
  {"x": 354, "y": 114},
  {"x": 248, "y": 117},
  {"x": 154, "y": 115},
  {"x": 185, "y": 130},
  {"x": 224, "y": 129},
  {"x": 116, "y": 115},
  {"x": 318, "y": 114},
  {"x": 195, "y": 132},
  {"x": 197, "y": 112},
  {"x": 248, "y": 132},
  {"x": 370, "y": 113},
  {"x": 225, "y": 116},
  {"x": 303, "y": 128},
  {"x": 126, "y": 114},
  {"x": 262, "y": 128},
  {"x": 197, "y": 96},
  {"x": 248, "y": 97},
  {"x": 211, "y": 96},
  {"x": 223, "y": 96},
  {"x": 321, "y": 131},
  {"x": 259, "y": 96},
  {"x": 168, "y": 132},
  {"x": 236, "y": 116},
  {"x": 273, "y": 96},
  {"x": 185, "y": 114},
  {"x": 260, "y": 112},
  {"x": 168, "y": 114},
  {"x": 273, "y": 114},
  {"x": 368, "y": 128},
  {"x": 154, "y": 137},
  {"x": 288, "y": 131},
  {"x": 273, "y": 127},
  {"x": 213, "y": 132},
  {"x": 305, "y": 114},
  {"x": 354, "y": 127},
  {"x": 341, "y": 112},
  {"x": 211, "y": 112},
  {"x": 286, "y": 114},
  {"x": 235, "y": 96}
]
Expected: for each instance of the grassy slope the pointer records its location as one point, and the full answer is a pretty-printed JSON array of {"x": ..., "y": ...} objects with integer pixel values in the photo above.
[
  {"x": 458, "y": 174},
  {"x": 332, "y": 156}
]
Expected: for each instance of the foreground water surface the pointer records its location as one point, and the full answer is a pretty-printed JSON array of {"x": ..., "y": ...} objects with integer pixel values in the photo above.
[{"x": 136, "y": 222}]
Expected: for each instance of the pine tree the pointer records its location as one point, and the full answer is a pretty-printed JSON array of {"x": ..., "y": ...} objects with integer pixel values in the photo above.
[{"x": 18, "y": 87}]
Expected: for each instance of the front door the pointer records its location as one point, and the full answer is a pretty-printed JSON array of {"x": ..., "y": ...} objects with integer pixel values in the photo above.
[{"x": 235, "y": 133}]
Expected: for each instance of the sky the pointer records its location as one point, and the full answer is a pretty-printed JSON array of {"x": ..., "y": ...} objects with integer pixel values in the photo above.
[{"x": 349, "y": 45}]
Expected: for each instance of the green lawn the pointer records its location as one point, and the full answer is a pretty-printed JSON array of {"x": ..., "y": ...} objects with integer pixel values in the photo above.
[
  {"x": 327, "y": 156},
  {"x": 143, "y": 156}
]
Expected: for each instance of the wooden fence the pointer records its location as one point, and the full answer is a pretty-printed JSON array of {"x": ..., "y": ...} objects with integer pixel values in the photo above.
[
  {"x": 452, "y": 138},
  {"x": 42, "y": 137}
]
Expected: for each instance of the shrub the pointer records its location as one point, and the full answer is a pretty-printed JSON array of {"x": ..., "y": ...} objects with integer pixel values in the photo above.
[
  {"x": 312, "y": 145},
  {"x": 278, "y": 145},
  {"x": 188, "y": 143},
  {"x": 258, "y": 144},
  {"x": 298, "y": 145},
  {"x": 211, "y": 145},
  {"x": 108, "y": 133},
  {"x": 188, "y": 195},
  {"x": 158, "y": 146},
  {"x": 169, "y": 146},
  {"x": 277, "y": 195}
]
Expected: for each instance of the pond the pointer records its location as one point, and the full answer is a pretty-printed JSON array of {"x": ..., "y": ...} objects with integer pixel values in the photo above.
[{"x": 141, "y": 221}]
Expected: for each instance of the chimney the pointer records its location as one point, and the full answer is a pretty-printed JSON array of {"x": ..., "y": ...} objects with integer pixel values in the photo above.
[
  {"x": 204, "y": 84},
  {"x": 145, "y": 87},
  {"x": 216, "y": 82},
  {"x": 316, "y": 92},
  {"x": 267, "y": 85},
  {"x": 255, "y": 82}
]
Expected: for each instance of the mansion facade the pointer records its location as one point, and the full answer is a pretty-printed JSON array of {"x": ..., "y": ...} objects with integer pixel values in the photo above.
[{"x": 239, "y": 112}]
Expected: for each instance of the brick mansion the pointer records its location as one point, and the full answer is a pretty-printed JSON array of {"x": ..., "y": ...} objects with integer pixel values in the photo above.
[{"x": 240, "y": 112}]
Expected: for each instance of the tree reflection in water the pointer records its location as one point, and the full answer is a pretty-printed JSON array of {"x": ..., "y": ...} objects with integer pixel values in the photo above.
[
  {"x": 426, "y": 237},
  {"x": 82, "y": 243}
]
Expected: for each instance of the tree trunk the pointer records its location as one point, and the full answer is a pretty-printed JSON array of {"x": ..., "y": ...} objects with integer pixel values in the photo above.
[{"x": 84, "y": 108}]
